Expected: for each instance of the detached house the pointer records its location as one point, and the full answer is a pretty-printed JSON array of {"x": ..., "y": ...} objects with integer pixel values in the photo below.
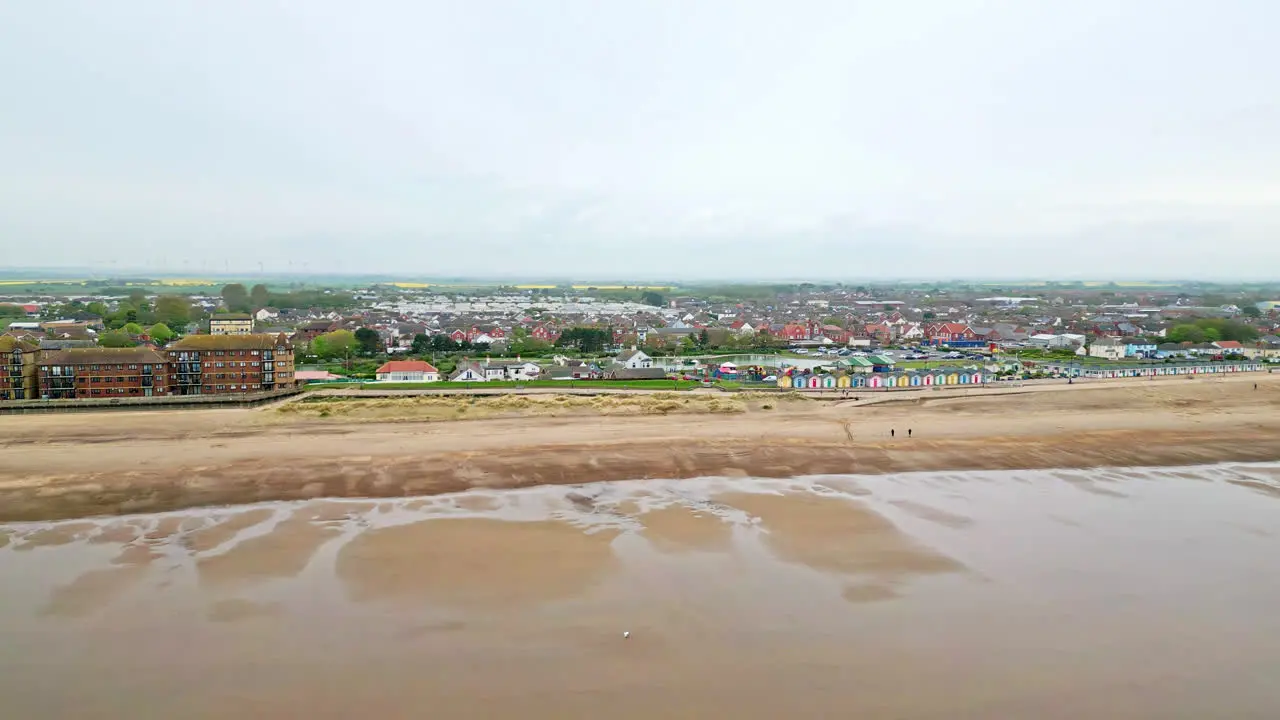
[
  {"x": 407, "y": 371},
  {"x": 512, "y": 370},
  {"x": 634, "y": 360},
  {"x": 469, "y": 372},
  {"x": 1108, "y": 348}
]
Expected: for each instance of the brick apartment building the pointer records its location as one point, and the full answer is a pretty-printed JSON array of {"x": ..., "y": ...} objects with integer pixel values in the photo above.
[
  {"x": 18, "y": 371},
  {"x": 102, "y": 373},
  {"x": 220, "y": 364}
]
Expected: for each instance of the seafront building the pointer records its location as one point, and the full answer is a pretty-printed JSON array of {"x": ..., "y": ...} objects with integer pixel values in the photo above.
[
  {"x": 220, "y": 364},
  {"x": 102, "y": 373},
  {"x": 18, "y": 373}
]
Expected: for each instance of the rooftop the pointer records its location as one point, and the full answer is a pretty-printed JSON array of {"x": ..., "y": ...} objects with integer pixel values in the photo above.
[
  {"x": 406, "y": 366},
  {"x": 230, "y": 342},
  {"x": 85, "y": 356}
]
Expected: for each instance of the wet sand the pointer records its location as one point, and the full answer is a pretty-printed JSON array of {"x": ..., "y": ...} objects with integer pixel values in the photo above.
[
  {"x": 66, "y": 466},
  {"x": 1050, "y": 594}
]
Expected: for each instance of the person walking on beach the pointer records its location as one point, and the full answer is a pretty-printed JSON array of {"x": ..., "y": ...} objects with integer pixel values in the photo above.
[
  {"x": 890, "y": 432},
  {"x": 908, "y": 432}
]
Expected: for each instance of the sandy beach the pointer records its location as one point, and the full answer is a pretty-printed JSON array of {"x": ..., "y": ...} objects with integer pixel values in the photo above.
[
  {"x": 76, "y": 465},
  {"x": 1119, "y": 593}
]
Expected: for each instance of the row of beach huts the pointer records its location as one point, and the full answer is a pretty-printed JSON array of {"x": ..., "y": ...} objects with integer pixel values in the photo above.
[{"x": 969, "y": 376}]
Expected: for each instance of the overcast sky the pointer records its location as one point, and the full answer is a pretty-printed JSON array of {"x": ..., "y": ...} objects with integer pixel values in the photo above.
[{"x": 689, "y": 138}]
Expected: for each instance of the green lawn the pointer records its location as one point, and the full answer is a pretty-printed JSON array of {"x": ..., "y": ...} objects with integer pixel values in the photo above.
[
  {"x": 929, "y": 364},
  {"x": 501, "y": 384}
]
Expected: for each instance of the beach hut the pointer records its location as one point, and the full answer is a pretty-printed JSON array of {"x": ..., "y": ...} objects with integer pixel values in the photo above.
[
  {"x": 927, "y": 379},
  {"x": 953, "y": 379},
  {"x": 784, "y": 381},
  {"x": 843, "y": 381},
  {"x": 916, "y": 380},
  {"x": 814, "y": 382},
  {"x": 828, "y": 381},
  {"x": 875, "y": 381}
]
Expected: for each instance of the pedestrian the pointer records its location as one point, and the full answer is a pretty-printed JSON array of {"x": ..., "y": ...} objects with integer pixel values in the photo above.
[
  {"x": 908, "y": 432},
  {"x": 890, "y": 432}
]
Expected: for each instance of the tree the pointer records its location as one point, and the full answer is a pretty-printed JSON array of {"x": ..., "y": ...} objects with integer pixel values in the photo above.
[
  {"x": 443, "y": 343},
  {"x": 97, "y": 307},
  {"x": 116, "y": 339},
  {"x": 236, "y": 298},
  {"x": 585, "y": 339},
  {"x": 336, "y": 344},
  {"x": 160, "y": 333},
  {"x": 11, "y": 310},
  {"x": 421, "y": 344},
  {"x": 260, "y": 296},
  {"x": 368, "y": 341},
  {"x": 1251, "y": 311},
  {"x": 173, "y": 310},
  {"x": 703, "y": 338},
  {"x": 652, "y": 297},
  {"x": 132, "y": 328}
]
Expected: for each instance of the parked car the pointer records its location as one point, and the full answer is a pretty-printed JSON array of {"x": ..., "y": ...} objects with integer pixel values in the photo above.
[{"x": 770, "y": 378}]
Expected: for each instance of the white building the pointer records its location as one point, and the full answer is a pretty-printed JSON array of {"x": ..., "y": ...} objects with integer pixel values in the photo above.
[
  {"x": 407, "y": 371},
  {"x": 634, "y": 360},
  {"x": 231, "y": 324},
  {"x": 1107, "y": 348}
]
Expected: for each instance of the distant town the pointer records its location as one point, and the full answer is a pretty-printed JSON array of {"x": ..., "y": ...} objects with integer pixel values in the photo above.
[{"x": 109, "y": 340}]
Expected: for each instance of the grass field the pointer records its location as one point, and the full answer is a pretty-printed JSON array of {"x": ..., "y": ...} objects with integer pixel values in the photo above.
[{"x": 505, "y": 384}]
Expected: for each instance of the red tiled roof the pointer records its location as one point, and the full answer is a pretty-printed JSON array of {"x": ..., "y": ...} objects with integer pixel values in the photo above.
[
  {"x": 1224, "y": 344},
  {"x": 406, "y": 366}
]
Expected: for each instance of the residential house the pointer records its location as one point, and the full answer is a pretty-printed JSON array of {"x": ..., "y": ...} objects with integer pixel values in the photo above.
[
  {"x": 103, "y": 373},
  {"x": 518, "y": 370},
  {"x": 634, "y": 359},
  {"x": 1108, "y": 348},
  {"x": 573, "y": 370},
  {"x": 407, "y": 371},
  {"x": 265, "y": 314},
  {"x": 224, "y": 364},
  {"x": 911, "y": 332},
  {"x": 1134, "y": 348},
  {"x": 881, "y": 333},
  {"x": 1230, "y": 346},
  {"x": 951, "y": 334},
  {"x": 469, "y": 372},
  {"x": 621, "y": 372},
  {"x": 312, "y": 330},
  {"x": 231, "y": 324}
]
